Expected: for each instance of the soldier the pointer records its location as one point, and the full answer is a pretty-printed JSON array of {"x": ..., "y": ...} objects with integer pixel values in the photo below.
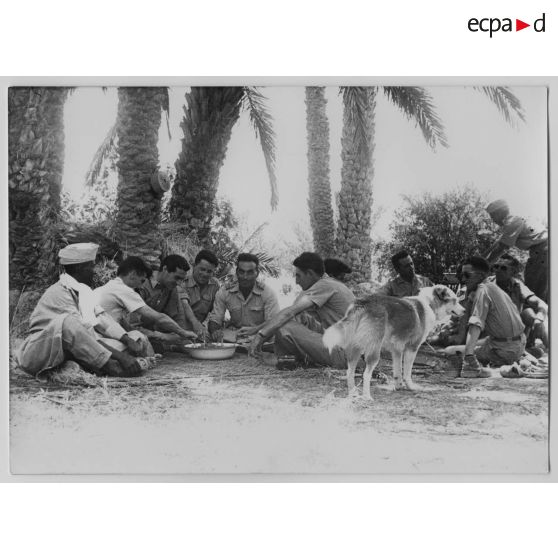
[
  {"x": 525, "y": 235},
  {"x": 407, "y": 282},
  {"x": 299, "y": 328},
  {"x": 250, "y": 303},
  {"x": 201, "y": 287},
  {"x": 68, "y": 324}
]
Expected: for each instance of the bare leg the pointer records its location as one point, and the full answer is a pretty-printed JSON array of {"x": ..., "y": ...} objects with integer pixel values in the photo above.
[
  {"x": 371, "y": 363},
  {"x": 397, "y": 358},
  {"x": 408, "y": 359}
]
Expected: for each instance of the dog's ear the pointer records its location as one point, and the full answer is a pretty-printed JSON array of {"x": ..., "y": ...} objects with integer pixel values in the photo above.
[{"x": 443, "y": 293}]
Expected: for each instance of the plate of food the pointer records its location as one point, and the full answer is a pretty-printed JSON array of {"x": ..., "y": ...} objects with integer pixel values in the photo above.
[{"x": 211, "y": 351}]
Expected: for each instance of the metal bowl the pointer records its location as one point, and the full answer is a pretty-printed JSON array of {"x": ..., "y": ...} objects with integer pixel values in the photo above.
[{"x": 216, "y": 351}]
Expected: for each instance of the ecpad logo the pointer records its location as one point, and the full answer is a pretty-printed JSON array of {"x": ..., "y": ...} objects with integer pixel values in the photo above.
[{"x": 492, "y": 25}]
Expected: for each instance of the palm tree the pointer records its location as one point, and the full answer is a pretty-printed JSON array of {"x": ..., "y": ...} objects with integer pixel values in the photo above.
[
  {"x": 36, "y": 159},
  {"x": 353, "y": 240},
  {"x": 355, "y": 197},
  {"x": 138, "y": 206},
  {"x": 319, "y": 188},
  {"x": 209, "y": 117}
]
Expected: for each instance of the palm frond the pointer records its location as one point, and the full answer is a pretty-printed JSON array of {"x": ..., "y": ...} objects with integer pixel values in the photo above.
[
  {"x": 506, "y": 102},
  {"x": 227, "y": 258},
  {"x": 165, "y": 106},
  {"x": 254, "y": 234},
  {"x": 102, "y": 153},
  {"x": 263, "y": 126},
  {"x": 355, "y": 102},
  {"x": 417, "y": 105}
]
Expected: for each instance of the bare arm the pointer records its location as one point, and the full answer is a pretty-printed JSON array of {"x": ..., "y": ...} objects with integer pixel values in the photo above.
[
  {"x": 472, "y": 337},
  {"x": 279, "y": 320},
  {"x": 198, "y": 327},
  {"x": 164, "y": 322},
  {"x": 539, "y": 306}
]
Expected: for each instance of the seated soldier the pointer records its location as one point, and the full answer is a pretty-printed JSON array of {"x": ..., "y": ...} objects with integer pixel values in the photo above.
[
  {"x": 201, "y": 287},
  {"x": 494, "y": 313},
  {"x": 407, "y": 282},
  {"x": 119, "y": 299},
  {"x": 299, "y": 328},
  {"x": 162, "y": 294},
  {"x": 533, "y": 311},
  {"x": 67, "y": 324},
  {"x": 250, "y": 303},
  {"x": 337, "y": 269}
]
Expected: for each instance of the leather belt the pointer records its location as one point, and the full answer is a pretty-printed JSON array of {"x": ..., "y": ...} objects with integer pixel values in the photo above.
[{"x": 502, "y": 339}]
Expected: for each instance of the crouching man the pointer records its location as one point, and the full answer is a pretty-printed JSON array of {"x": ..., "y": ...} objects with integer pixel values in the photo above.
[
  {"x": 119, "y": 299},
  {"x": 494, "y": 313},
  {"x": 68, "y": 324},
  {"x": 299, "y": 328}
]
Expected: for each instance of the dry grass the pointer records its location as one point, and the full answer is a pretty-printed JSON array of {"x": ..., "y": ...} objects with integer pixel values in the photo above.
[{"x": 240, "y": 415}]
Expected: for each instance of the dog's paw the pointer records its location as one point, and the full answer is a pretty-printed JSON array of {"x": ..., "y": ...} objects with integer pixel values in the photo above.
[
  {"x": 353, "y": 393},
  {"x": 411, "y": 386}
]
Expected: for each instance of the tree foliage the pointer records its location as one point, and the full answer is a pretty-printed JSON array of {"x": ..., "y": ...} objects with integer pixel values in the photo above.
[{"x": 439, "y": 231}]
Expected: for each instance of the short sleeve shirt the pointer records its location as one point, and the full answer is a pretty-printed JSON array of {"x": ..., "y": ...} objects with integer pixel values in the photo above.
[
  {"x": 118, "y": 299},
  {"x": 522, "y": 233},
  {"x": 201, "y": 299},
  {"x": 494, "y": 312},
  {"x": 399, "y": 287},
  {"x": 331, "y": 299},
  {"x": 260, "y": 306},
  {"x": 517, "y": 290}
]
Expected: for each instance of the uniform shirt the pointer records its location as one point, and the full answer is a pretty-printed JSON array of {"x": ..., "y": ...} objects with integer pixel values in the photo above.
[
  {"x": 399, "y": 287},
  {"x": 331, "y": 299},
  {"x": 164, "y": 300},
  {"x": 517, "y": 290},
  {"x": 494, "y": 312},
  {"x": 201, "y": 300},
  {"x": 522, "y": 233},
  {"x": 118, "y": 299},
  {"x": 260, "y": 305}
]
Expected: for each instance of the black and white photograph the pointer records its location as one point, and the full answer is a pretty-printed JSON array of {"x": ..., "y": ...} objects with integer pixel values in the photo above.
[{"x": 287, "y": 278}]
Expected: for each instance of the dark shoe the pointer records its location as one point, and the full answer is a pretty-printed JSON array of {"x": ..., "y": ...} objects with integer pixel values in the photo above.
[
  {"x": 471, "y": 367},
  {"x": 537, "y": 352},
  {"x": 111, "y": 368},
  {"x": 286, "y": 362}
]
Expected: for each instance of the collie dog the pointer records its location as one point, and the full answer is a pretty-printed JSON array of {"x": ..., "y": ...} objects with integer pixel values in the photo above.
[{"x": 399, "y": 325}]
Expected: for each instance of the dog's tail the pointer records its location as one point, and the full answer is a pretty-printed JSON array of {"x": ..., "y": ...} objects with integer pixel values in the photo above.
[{"x": 335, "y": 335}]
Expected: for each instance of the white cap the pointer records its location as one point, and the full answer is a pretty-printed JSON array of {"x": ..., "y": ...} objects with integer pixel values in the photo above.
[{"x": 78, "y": 253}]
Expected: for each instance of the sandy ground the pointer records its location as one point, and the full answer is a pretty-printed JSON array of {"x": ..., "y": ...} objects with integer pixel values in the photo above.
[{"x": 238, "y": 416}]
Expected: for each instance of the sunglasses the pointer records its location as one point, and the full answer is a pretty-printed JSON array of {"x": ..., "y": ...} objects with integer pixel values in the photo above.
[
  {"x": 498, "y": 267},
  {"x": 468, "y": 275}
]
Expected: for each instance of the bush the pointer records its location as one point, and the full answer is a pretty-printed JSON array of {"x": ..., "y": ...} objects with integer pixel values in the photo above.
[{"x": 439, "y": 231}]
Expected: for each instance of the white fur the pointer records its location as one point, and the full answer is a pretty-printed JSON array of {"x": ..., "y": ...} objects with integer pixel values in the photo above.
[{"x": 398, "y": 325}]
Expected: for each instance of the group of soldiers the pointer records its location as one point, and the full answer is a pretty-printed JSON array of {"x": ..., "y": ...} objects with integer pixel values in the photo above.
[{"x": 141, "y": 313}]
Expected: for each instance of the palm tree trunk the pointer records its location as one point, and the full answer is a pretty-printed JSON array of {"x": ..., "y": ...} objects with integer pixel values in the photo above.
[
  {"x": 353, "y": 241},
  {"x": 138, "y": 214},
  {"x": 36, "y": 160},
  {"x": 209, "y": 116},
  {"x": 319, "y": 191}
]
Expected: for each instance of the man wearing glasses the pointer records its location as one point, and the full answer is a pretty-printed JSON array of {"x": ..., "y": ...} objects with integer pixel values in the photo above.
[
  {"x": 533, "y": 311},
  {"x": 525, "y": 235},
  {"x": 493, "y": 313}
]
